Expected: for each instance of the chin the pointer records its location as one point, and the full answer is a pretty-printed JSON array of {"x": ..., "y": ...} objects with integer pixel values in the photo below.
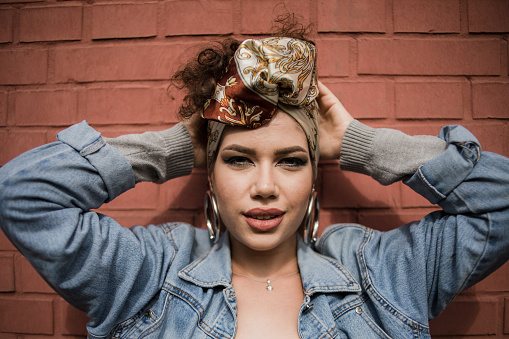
[{"x": 263, "y": 241}]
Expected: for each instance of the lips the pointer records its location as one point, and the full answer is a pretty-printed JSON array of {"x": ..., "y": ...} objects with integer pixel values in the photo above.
[{"x": 264, "y": 219}]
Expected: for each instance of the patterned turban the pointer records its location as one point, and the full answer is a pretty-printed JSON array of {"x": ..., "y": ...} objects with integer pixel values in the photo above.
[{"x": 263, "y": 76}]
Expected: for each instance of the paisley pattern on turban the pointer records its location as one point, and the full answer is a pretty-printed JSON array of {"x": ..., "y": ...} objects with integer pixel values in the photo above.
[{"x": 263, "y": 76}]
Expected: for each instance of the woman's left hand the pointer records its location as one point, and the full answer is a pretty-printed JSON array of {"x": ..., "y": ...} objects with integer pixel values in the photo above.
[{"x": 334, "y": 120}]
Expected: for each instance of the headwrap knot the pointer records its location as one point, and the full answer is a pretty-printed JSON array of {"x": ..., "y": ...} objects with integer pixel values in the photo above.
[{"x": 265, "y": 75}]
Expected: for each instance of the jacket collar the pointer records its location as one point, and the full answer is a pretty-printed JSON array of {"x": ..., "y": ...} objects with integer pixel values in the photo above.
[{"x": 319, "y": 273}]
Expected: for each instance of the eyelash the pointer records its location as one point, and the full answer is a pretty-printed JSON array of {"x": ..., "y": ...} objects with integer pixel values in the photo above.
[{"x": 238, "y": 161}]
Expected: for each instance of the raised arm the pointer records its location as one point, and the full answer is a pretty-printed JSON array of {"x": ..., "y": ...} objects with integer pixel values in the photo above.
[
  {"x": 419, "y": 268},
  {"x": 46, "y": 196}
]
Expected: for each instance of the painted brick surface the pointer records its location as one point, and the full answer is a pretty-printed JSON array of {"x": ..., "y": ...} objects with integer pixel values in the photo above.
[
  {"x": 333, "y": 57},
  {"x": 472, "y": 317},
  {"x": 124, "y": 21},
  {"x": 19, "y": 142},
  {"x": 352, "y": 190},
  {"x": 413, "y": 65},
  {"x": 109, "y": 105},
  {"x": 258, "y": 16},
  {"x": 6, "y": 20},
  {"x": 54, "y": 108},
  {"x": 506, "y": 316},
  {"x": 30, "y": 280},
  {"x": 26, "y": 316},
  {"x": 115, "y": 63},
  {"x": 3, "y": 108},
  {"x": 5, "y": 244},
  {"x": 74, "y": 320},
  {"x": 351, "y": 16},
  {"x": 429, "y": 57},
  {"x": 488, "y": 16},
  {"x": 50, "y": 23},
  {"x": 490, "y": 100},
  {"x": 439, "y": 100},
  {"x": 7, "y": 273},
  {"x": 426, "y": 16},
  {"x": 23, "y": 67},
  {"x": 198, "y": 17},
  {"x": 353, "y": 96}
]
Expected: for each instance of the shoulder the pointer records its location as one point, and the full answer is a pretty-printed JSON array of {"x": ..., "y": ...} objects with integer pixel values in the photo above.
[{"x": 343, "y": 242}]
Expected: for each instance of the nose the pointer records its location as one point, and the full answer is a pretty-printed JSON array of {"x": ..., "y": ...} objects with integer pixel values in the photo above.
[{"x": 264, "y": 183}]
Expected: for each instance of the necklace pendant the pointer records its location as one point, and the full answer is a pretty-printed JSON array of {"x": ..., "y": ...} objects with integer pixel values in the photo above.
[{"x": 269, "y": 286}]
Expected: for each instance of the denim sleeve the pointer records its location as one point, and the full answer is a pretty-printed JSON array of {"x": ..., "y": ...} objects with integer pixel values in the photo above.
[
  {"x": 421, "y": 267},
  {"x": 46, "y": 196},
  {"x": 470, "y": 238}
]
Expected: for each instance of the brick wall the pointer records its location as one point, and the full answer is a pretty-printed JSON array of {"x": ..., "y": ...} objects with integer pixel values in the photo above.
[{"x": 414, "y": 65}]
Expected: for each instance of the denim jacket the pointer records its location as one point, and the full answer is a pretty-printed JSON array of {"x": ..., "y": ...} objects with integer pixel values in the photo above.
[{"x": 171, "y": 281}]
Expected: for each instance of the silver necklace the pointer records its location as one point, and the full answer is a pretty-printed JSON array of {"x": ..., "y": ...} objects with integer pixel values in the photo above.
[{"x": 269, "y": 287}]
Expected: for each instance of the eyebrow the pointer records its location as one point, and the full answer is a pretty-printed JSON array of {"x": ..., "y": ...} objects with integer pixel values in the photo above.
[{"x": 250, "y": 151}]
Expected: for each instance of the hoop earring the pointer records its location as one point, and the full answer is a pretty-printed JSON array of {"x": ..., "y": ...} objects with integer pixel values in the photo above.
[
  {"x": 211, "y": 212},
  {"x": 311, "y": 233}
]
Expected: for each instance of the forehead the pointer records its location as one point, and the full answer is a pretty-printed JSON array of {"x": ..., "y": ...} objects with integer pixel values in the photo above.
[{"x": 281, "y": 131}]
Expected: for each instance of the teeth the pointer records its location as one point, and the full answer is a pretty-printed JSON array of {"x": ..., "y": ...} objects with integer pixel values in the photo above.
[{"x": 263, "y": 217}]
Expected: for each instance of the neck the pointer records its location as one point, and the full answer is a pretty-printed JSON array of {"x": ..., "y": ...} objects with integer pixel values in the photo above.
[{"x": 264, "y": 264}]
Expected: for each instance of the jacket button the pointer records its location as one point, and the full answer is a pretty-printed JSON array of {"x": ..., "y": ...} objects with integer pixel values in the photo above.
[{"x": 358, "y": 310}]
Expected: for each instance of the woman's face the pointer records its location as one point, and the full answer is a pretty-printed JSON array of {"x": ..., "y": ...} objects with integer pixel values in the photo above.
[{"x": 262, "y": 180}]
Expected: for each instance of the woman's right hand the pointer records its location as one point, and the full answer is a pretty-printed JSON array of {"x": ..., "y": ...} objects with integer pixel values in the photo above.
[
  {"x": 197, "y": 128},
  {"x": 334, "y": 120}
]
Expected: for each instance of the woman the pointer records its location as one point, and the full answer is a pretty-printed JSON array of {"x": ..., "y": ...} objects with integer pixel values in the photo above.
[{"x": 259, "y": 278}]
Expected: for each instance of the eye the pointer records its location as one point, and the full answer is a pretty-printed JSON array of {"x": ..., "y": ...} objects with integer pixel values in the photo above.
[
  {"x": 238, "y": 161},
  {"x": 292, "y": 162}
]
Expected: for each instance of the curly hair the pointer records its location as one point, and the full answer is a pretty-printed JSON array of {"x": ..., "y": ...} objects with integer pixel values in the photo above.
[{"x": 200, "y": 75}]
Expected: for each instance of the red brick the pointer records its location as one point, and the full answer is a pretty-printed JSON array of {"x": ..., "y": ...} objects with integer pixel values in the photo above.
[
  {"x": 124, "y": 21},
  {"x": 144, "y": 218},
  {"x": 31, "y": 316},
  {"x": 351, "y": 16},
  {"x": 145, "y": 196},
  {"x": 352, "y": 190},
  {"x": 333, "y": 56},
  {"x": 467, "y": 317},
  {"x": 187, "y": 192},
  {"x": 168, "y": 101},
  {"x": 331, "y": 217},
  {"x": 23, "y": 67},
  {"x": 7, "y": 273},
  {"x": 50, "y": 23},
  {"x": 136, "y": 62},
  {"x": 409, "y": 198},
  {"x": 6, "y": 18},
  {"x": 5, "y": 244},
  {"x": 494, "y": 137},
  {"x": 18, "y": 1},
  {"x": 426, "y": 16},
  {"x": 353, "y": 96},
  {"x": 429, "y": 100},
  {"x": 18, "y": 142},
  {"x": 211, "y": 17},
  {"x": 429, "y": 57},
  {"x": 488, "y": 16},
  {"x": 119, "y": 105},
  {"x": 506, "y": 316},
  {"x": 3, "y": 108},
  {"x": 31, "y": 281},
  {"x": 498, "y": 281},
  {"x": 258, "y": 16},
  {"x": 490, "y": 100},
  {"x": 387, "y": 221},
  {"x": 45, "y": 108},
  {"x": 74, "y": 321}
]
